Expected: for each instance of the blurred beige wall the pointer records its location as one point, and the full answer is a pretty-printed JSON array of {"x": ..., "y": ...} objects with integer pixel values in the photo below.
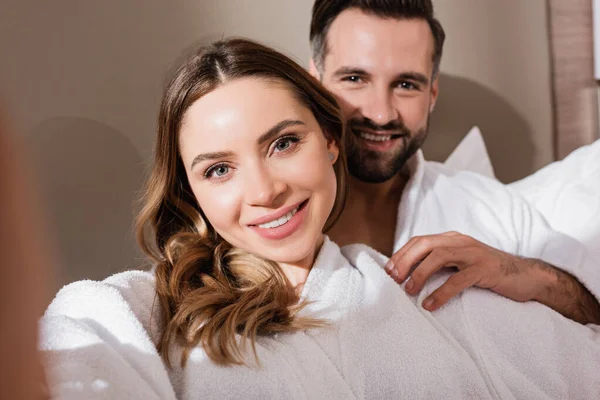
[
  {"x": 496, "y": 74},
  {"x": 83, "y": 81}
]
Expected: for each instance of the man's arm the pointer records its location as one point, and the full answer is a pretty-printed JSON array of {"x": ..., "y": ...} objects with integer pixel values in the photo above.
[
  {"x": 535, "y": 262},
  {"x": 562, "y": 292},
  {"x": 517, "y": 278}
]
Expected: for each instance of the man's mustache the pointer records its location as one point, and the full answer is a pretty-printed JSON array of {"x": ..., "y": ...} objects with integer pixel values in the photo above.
[{"x": 392, "y": 127}]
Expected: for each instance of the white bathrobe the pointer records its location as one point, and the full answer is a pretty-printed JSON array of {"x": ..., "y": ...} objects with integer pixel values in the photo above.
[
  {"x": 437, "y": 199},
  {"x": 98, "y": 338}
]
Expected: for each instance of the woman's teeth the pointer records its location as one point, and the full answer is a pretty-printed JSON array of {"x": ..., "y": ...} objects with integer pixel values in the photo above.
[
  {"x": 375, "y": 138},
  {"x": 279, "y": 221}
]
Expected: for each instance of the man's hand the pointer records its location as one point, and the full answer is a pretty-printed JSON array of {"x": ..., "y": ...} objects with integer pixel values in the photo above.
[{"x": 479, "y": 265}]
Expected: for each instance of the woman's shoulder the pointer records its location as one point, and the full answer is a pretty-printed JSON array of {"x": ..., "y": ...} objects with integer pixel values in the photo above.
[
  {"x": 360, "y": 255},
  {"x": 129, "y": 288},
  {"x": 104, "y": 333},
  {"x": 122, "y": 301}
]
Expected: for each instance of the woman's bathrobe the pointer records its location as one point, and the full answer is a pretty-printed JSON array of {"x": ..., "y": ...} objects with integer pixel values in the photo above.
[{"x": 99, "y": 340}]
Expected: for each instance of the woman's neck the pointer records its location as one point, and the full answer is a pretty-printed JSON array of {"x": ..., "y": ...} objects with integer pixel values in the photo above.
[{"x": 297, "y": 272}]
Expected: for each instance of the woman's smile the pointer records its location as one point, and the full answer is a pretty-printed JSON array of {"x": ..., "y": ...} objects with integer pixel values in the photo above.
[{"x": 277, "y": 228}]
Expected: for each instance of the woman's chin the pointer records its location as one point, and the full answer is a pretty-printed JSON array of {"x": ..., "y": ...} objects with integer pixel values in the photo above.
[
  {"x": 299, "y": 253},
  {"x": 294, "y": 257}
]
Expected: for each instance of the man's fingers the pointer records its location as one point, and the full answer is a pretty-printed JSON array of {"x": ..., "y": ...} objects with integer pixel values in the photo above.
[
  {"x": 406, "y": 259},
  {"x": 439, "y": 258},
  {"x": 398, "y": 255},
  {"x": 451, "y": 233},
  {"x": 414, "y": 240},
  {"x": 391, "y": 267},
  {"x": 453, "y": 286}
]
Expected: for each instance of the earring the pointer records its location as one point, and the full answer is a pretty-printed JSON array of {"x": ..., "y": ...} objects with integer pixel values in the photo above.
[{"x": 331, "y": 156}]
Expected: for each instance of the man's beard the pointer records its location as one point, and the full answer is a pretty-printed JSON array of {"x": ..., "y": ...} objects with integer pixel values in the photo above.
[{"x": 373, "y": 166}]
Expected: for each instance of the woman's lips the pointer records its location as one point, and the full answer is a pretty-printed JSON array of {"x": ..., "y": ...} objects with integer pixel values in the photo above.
[{"x": 286, "y": 229}]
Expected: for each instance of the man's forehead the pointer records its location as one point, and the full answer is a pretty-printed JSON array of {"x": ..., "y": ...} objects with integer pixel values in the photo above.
[{"x": 364, "y": 40}]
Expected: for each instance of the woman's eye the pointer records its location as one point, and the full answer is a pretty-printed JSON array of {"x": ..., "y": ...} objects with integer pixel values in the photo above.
[
  {"x": 217, "y": 172},
  {"x": 285, "y": 143},
  {"x": 220, "y": 171}
]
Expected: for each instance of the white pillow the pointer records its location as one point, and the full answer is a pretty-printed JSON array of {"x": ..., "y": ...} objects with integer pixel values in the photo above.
[{"x": 471, "y": 155}]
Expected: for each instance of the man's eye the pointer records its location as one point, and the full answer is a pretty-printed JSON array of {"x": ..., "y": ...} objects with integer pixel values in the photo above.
[
  {"x": 352, "y": 78},
  {"x": 407, "y": 86}
]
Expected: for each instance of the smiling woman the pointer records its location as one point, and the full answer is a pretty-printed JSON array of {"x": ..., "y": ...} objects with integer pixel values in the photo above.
[
  {"x": 266, "y": 174},
  {"x": 246, "y": 177}
]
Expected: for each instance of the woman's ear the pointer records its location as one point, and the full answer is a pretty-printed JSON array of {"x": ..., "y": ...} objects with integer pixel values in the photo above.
[{"x": 333, "y": 151}]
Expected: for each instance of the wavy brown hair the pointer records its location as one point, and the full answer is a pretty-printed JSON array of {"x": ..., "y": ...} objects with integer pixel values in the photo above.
[{"x": 209, "y": 292}]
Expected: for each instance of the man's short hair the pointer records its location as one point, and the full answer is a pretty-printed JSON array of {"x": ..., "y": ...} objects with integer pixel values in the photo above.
[{"x": 325, "y": 11}]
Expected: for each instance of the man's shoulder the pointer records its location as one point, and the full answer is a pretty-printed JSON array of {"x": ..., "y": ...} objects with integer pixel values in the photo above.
[
  {"x": 438, "y": 174},
  {"x": 466, "y": 202},
  {"x": 468, "y": 193}
]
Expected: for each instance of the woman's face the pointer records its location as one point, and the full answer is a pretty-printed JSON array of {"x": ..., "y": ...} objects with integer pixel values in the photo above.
[{"x": 259, "y": 166}]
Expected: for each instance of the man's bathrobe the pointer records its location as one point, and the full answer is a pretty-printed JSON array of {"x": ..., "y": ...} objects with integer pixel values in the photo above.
[{"x": 437, "y": 199}]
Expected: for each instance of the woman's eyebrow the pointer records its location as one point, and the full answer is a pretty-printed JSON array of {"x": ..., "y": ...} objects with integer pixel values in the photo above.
[
  {"x": 265, "y": 137},
  {"x": 210, "y": 156},
  {"x": 268, "y": 135}
]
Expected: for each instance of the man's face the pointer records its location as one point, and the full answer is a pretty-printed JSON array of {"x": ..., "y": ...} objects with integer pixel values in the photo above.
[{"x": 380, "y": 71}]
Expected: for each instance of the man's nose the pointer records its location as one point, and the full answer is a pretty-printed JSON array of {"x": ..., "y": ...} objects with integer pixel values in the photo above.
[{"x": 379, "y": 107}]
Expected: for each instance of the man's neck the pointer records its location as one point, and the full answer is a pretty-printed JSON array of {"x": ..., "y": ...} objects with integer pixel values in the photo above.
[
  {"x": 374, "y": 194},
  {"x": 370, "y": 214}
]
